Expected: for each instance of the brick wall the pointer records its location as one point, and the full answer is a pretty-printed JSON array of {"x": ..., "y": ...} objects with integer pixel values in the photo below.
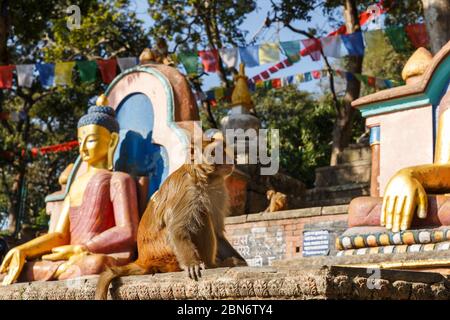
[{"x": 264, "y": 237}]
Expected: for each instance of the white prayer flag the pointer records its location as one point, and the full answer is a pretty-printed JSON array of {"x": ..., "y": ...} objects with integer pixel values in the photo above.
[
  {"x": 229, "y": 56},
  {"x": 126, "y": 63},
  {"x": 25, "y": 75},
  {"x": 332, "y": 46}
]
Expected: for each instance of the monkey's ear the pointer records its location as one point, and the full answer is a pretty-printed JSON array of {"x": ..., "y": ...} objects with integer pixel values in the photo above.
[{"x": 270, "y": 194}]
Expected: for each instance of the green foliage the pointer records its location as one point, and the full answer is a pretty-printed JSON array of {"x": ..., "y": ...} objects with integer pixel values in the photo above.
[{"x": 305, "y": 128}]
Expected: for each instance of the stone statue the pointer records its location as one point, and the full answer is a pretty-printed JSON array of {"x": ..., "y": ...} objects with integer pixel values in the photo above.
[{"x": 97, "y": 225}]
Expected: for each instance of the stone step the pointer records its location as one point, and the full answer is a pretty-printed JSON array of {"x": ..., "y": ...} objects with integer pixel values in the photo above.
[
  {"x": 355, "y": 153},
  {"x": 344, "y": 193},
  {"x": 355, "y": 172}
]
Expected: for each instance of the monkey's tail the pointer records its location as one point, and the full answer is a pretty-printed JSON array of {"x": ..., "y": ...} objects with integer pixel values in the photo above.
[{"x": 107, "y": 276}]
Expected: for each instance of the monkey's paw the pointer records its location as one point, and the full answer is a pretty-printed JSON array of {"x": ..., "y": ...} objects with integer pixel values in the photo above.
[{"x": 194, "y": 270}]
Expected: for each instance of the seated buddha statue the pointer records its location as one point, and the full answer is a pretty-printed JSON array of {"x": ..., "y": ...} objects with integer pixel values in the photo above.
[
  {"x": 98, "y": 221},
  {"x": 415, "y": 197}
]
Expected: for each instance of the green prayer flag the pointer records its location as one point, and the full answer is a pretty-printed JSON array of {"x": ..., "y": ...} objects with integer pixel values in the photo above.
[
  {"x": 398, "y": 38},
  {"x": 190, "y": 61},
  {"x": 87, "y": 70},
  {"x": 268, "y": 84},
  {"x": 291, "y": 50}
]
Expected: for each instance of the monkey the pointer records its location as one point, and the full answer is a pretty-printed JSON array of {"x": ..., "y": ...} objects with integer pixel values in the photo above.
[
  {"x": 182, "y": 227},
  {"x": 278, "y": 201}
]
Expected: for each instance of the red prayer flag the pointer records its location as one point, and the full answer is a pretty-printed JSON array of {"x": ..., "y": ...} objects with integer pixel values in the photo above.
[
  {"x": 6, "y": 77},
  {"x": 265, "y": 75},
  {"x": 276, "y": 83},
  {"x": 316, "y": 74},
  {"x": 371, "y": 81},
  {"x": 287, "y": 62},
  {"x": 273, "y": 69},
  {"x": 108, "y": 69},
  {"x": 256, "y": 78},
  {"x": 210, "y": 60},
  {"x": 417, "y": 34}
]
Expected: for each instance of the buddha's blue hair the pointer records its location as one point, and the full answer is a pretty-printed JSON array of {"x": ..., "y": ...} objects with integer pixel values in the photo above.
[{"x": 101, "y": 116}]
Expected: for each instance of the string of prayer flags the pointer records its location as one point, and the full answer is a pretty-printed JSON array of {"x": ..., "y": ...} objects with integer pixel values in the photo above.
[
  {"x": 25, "y": 75},
  {"x": 6, "y": 76},
  {"x": 268, "y": 53},
  {"x": 398, "y": 39},
  {"x": 354, "y": 43},
  {"x": 46, "y": 73},
  {"x": 417, "y": 34},
  {"x": 63, "y": 73},
  {"x": 249, "y": 55},
  {"x": 313, "y": 46},
  {"x": 210, "y": 60},
  {"x": 126, "y": 63},
  {"x": 229, "y": 57},
  {"x": 189, "y": 60},
  {"x": 87, "y": 70},
  {"x": 331, "y": 46},
  {"x": 108, "y": 69}
]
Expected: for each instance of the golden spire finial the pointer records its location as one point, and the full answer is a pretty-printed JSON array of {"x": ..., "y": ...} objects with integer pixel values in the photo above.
[
  {"x": 417, "y": 64},
  {"x": 241, "y": 94},
  {"x": 102, "y": 100}
]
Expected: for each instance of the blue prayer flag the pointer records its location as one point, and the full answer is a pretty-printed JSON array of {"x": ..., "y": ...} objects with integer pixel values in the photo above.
[
  {"x": 388, "y": 83},
  {"x": 290, "y": 79},
  {"x": 46, "y": 73},
  {"x": 354, "y": 43},
  {"x": 249, "y": 55}
]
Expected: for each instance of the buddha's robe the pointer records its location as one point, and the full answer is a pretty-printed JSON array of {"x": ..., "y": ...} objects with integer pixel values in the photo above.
[{"x": 106, "y": 223}]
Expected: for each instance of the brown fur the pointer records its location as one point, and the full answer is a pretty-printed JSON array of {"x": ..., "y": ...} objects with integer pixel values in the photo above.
[
  {"x": 182, "y": 227},
  {"x": 278, "y": 201}
]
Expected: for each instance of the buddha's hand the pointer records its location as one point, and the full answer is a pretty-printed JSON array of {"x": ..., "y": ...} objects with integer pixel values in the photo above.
[
  {"x": 65, "y": 252},
  {"x": 402, "y": 195},
  {"x": 13, "y": 264}
]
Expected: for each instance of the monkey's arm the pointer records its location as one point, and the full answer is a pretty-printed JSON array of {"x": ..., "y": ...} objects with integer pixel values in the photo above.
[{"x": 121, "y": 237}]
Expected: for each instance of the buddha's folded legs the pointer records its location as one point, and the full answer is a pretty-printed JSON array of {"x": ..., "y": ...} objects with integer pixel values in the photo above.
[
  {"x": 366, "y": 211},
  {"x": 48, "y": 270}
]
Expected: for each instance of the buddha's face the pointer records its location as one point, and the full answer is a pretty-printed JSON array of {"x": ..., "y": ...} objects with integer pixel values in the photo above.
[{"x": 96, "y": 143}]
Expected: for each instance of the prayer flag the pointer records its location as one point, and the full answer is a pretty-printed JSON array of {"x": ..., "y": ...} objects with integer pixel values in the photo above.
[
  {"x": 388, "y": 83},
  {"x": 210, "y": 60},
  {"x": 265, "y": 75},
  {"x": 108, "y": 69},
  {"x": 46, "y": 73},
  {"x": 308, "y": 76},
  {"x": 276, "y": 83},
  {"x": 126, "y": 63},
  {"x": 280, "y": 65},
  {"x": 417, "y": 34},
  {"x": 6, "y": 76},
  {"x": 273, "y": 69},
  {"x": 354, "y": 43},
  {"x": 300, "y": 77},
  {"x": 289, "y": 79},
  {"x": 291, "y": 49},
  {"x": 371, "y": 81},
  {"x": 25, "y": 75},
  {"x": 257, "y": 78},
  {"x": 332, "y": 46},
  {"x": 268, "y": 84},
  {"x": 229, "y": 57},
  {"x": 268, "y": 53},
  {"x": 189, "y": 60},
  {"x": 63, "y": 73},
  {"x": 87, "y": 70},
  {"x": 249, "y": 55},
  {"x": 312, "y": 47},
  {"x": 398, "y": 39},
  {"x": 316, "y": 74},
  {"x": 219, "y": 93}
]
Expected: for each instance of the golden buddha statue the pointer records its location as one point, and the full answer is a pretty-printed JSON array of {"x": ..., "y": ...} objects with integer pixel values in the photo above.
[
  {"x": 420, "y": 190},
  {"x": 98, "y": 222}
]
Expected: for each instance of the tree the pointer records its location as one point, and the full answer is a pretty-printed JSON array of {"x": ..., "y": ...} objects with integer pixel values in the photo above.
[
  {"x": 437, "y": 18},
  {"x": 305, "y": 126},
  {"x": 37, "y": 32},
  {"x": 195, "y": 24}
]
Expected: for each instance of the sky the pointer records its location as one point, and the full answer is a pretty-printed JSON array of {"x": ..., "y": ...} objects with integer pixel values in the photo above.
[{"x": 252, "y": 24}]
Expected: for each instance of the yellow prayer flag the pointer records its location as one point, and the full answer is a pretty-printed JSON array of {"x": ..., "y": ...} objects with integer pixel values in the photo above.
[
  {"x": 63, "y": 73},
  {"x": 268, "y": 52}
]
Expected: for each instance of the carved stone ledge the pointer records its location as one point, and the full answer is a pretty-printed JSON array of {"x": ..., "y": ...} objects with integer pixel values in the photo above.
[{"x": 248, "y": 283}]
